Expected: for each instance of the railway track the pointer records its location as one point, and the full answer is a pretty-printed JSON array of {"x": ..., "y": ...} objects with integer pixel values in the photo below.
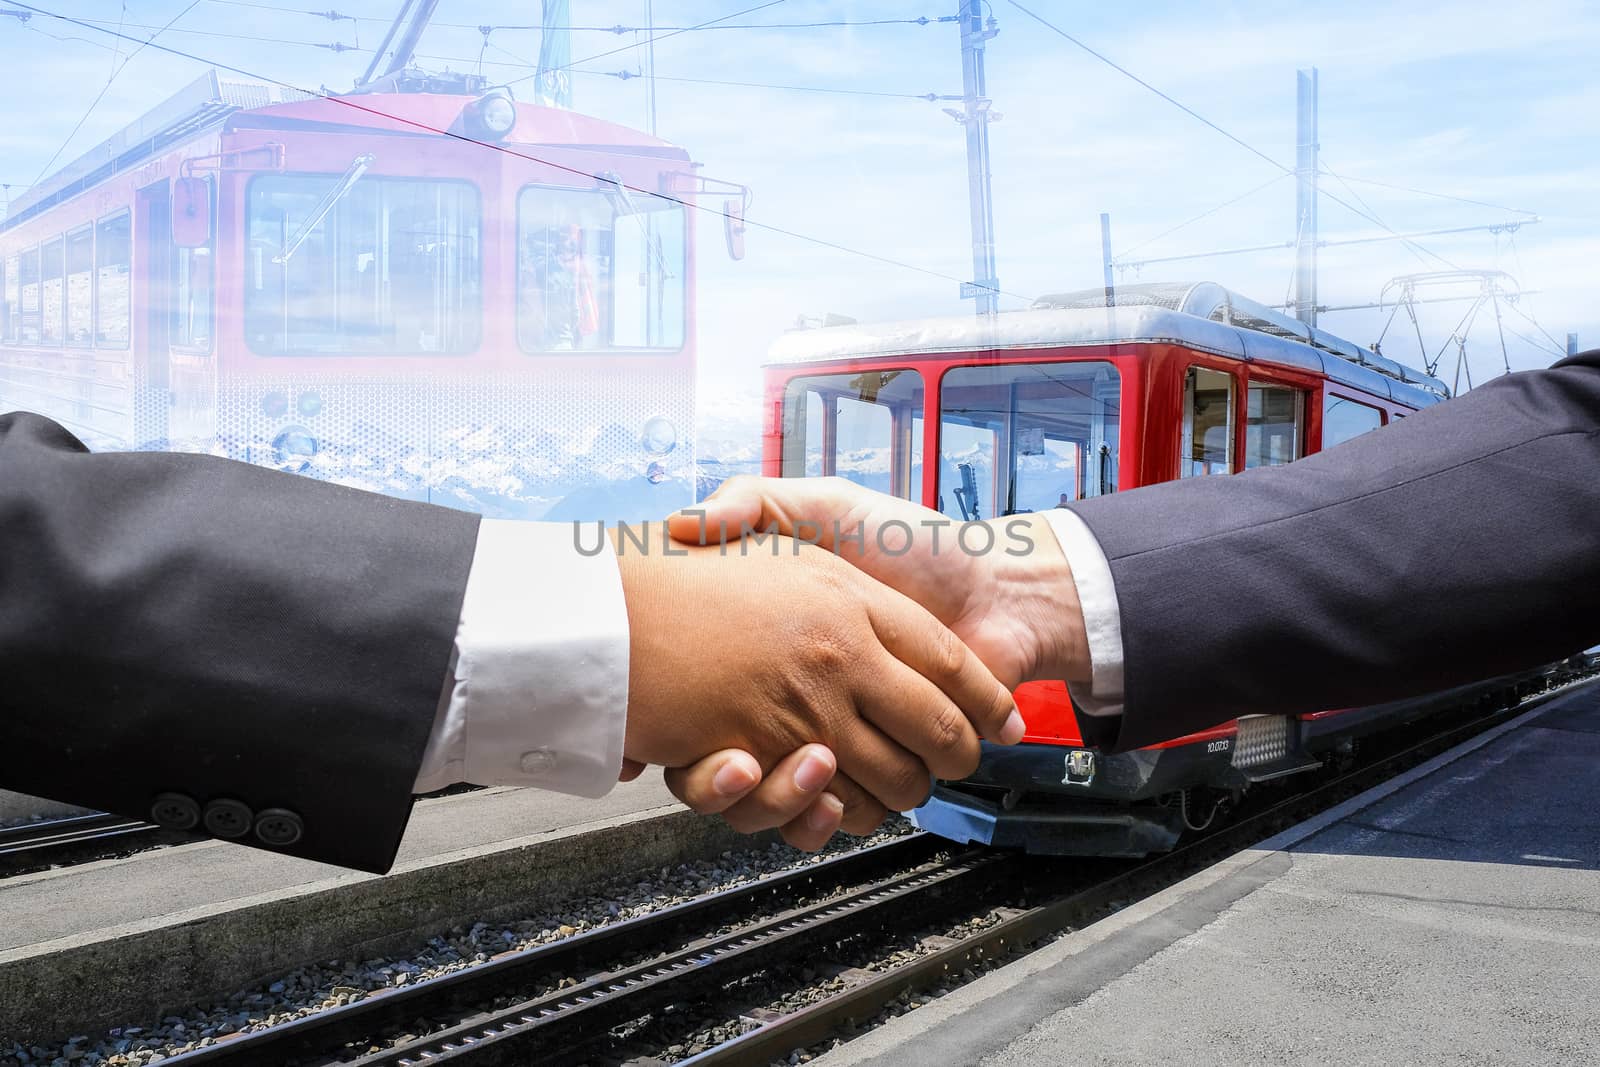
[
  {"x": 40, "y": 845},
  {"x": 609, "y": 995}
]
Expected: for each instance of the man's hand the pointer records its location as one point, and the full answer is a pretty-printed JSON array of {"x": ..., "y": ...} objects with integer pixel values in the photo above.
[
  {"x": 1005, "y": 589},
  {"x": 765, "y": 648}
]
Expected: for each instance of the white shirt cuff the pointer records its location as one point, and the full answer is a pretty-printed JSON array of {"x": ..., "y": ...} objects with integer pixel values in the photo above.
[
  {"x": 538, "y": 693},
  {"x": 1102, "y": 619}
]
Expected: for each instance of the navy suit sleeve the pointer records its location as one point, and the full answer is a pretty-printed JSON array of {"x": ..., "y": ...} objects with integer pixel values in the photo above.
[
  {"x": 207, "y": 631},
  {"x": 1459, "y": 543}
]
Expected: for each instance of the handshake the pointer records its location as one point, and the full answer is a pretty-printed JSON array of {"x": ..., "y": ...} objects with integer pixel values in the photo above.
[{"x": 811, "y": 654}]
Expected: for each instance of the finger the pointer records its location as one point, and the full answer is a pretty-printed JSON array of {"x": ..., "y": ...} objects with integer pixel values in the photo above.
[
  {"x": 716, "y": 782},
  {"x": 862, "y": 812},
  {"x": 915, "y": 638},
  {"x": 899, "y": 780},
  {"x": 631, "y": 769},
  {"x": 789, "y": 790},
  {"x": 811, "y": 830},
  {"x": 917, "y": 715}
]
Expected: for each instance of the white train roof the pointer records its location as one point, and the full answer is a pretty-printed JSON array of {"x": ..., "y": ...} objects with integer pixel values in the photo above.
[{"x": 1201, "y": 316}]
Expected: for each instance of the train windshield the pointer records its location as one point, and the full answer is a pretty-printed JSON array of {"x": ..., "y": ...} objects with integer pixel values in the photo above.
[
  {"x": 386, "y": 267},
  {"x": 1026, "y": 437},
  {"x": 599, "y": 269},
  {"x": 866, "y": 427}
]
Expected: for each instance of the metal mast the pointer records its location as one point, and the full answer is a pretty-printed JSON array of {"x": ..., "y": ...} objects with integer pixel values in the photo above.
[
  {"x": 1305, "y": 173},
  {"x": 975, "y": 117}
]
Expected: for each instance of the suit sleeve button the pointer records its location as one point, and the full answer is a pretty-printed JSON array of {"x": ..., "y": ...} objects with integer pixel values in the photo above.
[
  {"x": 279, "y": 827},
  {"x": 228, "y": 818},
  {"x": 175, "y": 812}
]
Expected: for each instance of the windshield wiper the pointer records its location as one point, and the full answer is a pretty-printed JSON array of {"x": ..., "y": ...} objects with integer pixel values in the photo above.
[
  {"x": 358, "y": 167},
  {"x": 623, "y": 204}
]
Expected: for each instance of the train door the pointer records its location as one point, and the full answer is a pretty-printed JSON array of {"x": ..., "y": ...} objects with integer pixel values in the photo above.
[
  {"x": 152, "y": 301},
  {"x": 191, "y": 313}
]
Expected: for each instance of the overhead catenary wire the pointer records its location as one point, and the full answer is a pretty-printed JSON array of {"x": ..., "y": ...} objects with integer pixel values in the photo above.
[
  {"x": 101, "y": 95},
  {"x": 1191, "y": 112},
  {"x": 1204, "y": 214},
  {"x": 355, "y": 104},
  {"x": 333, "y": 15},
  {"x": 1430, "y": 192}
]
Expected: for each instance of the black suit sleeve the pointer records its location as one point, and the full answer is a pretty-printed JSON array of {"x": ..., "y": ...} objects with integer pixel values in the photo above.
[
  {"x": 207, "y": 631},
  {"x": 1459, "y": 543}
]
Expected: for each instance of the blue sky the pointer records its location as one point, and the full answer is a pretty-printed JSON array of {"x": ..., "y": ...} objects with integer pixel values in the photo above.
[{"x": 1472, "y": 100}]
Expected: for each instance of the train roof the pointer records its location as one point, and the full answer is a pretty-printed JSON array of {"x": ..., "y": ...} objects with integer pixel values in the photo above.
[
  {"x": 1203, "y": 316},
  {"x": 212, "y": 101}
]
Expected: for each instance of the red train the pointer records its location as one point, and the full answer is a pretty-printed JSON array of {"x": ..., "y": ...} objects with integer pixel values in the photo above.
[
  {"x": 980, "y": 418},
  {"x": 431, "y": 291}
]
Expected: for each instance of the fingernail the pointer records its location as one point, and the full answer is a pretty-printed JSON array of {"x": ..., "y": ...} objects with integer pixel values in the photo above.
[
  {"x": 813, "y": 773},
  {"x": 826, "y": 813},
  {"x": 732, "y": 778},
  {"x": 1014, "y": 728}
]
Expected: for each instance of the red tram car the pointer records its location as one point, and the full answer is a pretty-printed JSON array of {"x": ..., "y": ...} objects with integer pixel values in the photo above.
[
  {"x": 979, "y": 418},
  {"x": 430, "y": 290}
]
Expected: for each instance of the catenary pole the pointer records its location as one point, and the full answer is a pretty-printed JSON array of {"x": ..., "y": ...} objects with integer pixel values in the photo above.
[
  {"x": 1305, "y": 172},
  {"x": 975, "y": 118}
]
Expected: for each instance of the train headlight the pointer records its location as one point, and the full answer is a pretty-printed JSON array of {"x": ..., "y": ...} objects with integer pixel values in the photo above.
[
  {"x": 492, "y": 115},
  {"x": 294, "y": 448},
  {"x": 308, "y": 404},
  {"x": 659, "y": 437},
  {"x": 274, "y": 405}
]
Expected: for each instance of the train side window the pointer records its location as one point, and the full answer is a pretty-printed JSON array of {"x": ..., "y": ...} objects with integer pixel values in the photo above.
[
  {"x": 1343, "y": 418},
  {"x": 80, "y": 287},
  {"x": 28, "y": 298},
  {"x": 1208, "y": 421},
  {"x": 113, "y": 269},
  {"x": 52, "y": 274},
  {"x": 10, "y": 299},
  {"x": 1025, "y": 437},
  {"x": 855, "y": 425},
  {"x": 1274, "y": 428}
]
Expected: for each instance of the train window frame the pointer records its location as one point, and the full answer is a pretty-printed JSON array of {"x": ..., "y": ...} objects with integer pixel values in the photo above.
[
  {"x": 684, "y": 267},
  {"x": 479, "y": 307},
  {"x": 78, "y": 232},
  {"x": 905, "y": 446},
  {"x": 24, "y": 257},
  {"x": 1332, "y": 396},
  {"x": 1003, "y": 481},
  {"x": 10, "y": 297},
  {"x": 1187, "y": 387},
  {"x": 59, "y": 242},
  {"x": 101, "y": 264},
  {"x": 1253, "y": 385}
]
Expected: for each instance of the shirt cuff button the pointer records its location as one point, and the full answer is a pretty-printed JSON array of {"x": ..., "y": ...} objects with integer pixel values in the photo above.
[{"x": 539, "y": 761}]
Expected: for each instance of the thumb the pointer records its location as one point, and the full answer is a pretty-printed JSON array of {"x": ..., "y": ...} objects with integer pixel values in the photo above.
[{"x": 738, "y": 503}]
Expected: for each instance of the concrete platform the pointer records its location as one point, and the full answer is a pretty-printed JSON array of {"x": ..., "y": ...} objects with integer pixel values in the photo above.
[
  {"x": 1451, "y": 916},
  {"x": 107, "y": 942}
]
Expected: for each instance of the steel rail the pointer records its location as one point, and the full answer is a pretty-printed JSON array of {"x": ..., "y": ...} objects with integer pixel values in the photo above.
[
  {"x": 319, "y": 1037},
  {"x": 41, "y": 844},
  {"x": 554, "y": 1028},
  {"x": 777, "y": 1038}
]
